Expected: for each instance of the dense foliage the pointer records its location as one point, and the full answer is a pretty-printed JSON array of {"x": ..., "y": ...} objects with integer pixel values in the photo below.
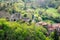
[
  {"x": 16, "y": 31},
  {"x": 36, "y": 10}
]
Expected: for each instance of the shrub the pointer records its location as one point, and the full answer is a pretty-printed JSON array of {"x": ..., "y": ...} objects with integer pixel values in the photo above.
[
  {"x": 49, "y": 21},
  {"x": 1, "y": 34},
  {"x": 51, "y": 14},
  {"x": 16, "y": 31}
]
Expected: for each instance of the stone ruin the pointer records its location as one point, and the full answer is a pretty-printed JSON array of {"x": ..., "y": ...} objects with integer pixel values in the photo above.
[
  {"x": 15, "y": 17},
  {"x": 18, "y": 16},
  {"x": 4, "y": 14}
]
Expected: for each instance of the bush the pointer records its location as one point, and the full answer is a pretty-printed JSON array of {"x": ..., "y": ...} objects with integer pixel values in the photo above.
[
  {"x": 1, "y": 34},
  {"x": 16, "y": 31},
  {"x": 49, "y": 21},
  {"x": 51, "y": 14}
]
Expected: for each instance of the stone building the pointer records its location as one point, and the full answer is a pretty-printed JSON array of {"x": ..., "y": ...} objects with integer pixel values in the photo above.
[
  {"x": 15, "y": 17},
  {"x": 4, "y": 14}
]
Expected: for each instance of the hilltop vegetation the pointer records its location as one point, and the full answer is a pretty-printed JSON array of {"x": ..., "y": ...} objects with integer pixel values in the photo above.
[{"x": 28, "y": 8}]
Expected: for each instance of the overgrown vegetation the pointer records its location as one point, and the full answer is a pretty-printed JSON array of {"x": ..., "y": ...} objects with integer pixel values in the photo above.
[
  {"x": 16, "y": 31},
  {"x": 36, "y": 10}
]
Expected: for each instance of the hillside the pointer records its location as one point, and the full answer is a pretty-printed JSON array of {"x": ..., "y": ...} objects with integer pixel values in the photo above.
[{"x": 29, "y": 19}]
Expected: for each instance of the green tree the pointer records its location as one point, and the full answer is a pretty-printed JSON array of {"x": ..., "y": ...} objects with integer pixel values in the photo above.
[{"x": 56, "y": 36}]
